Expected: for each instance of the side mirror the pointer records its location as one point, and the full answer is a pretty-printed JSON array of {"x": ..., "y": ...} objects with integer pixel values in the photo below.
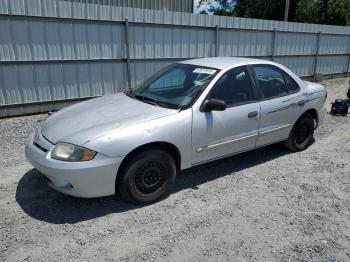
[{"x": 213, "y": 105}]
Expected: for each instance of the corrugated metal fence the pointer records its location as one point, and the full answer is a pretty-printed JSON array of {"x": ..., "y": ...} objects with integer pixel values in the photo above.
[{"x": 53, "y": 50}]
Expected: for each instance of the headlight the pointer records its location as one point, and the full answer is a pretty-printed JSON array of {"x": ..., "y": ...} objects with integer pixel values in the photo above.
[{"x": 69, "y": 152}]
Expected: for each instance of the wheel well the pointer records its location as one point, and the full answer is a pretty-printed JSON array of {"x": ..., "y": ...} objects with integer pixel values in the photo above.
[{"x": 170, "y": 148}]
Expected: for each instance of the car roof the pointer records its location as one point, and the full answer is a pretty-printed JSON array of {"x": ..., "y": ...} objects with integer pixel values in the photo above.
[{"x": 224, "y": 62}]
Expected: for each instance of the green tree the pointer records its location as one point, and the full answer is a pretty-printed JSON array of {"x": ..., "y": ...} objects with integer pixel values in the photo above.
[
  {"x": 260, "y": 9},
  {"x": 337, "y": 12},
  {"x": 217, "y": 7},
  {"x": 333, "y": 12},
  {"x": 263, "y": 9}
]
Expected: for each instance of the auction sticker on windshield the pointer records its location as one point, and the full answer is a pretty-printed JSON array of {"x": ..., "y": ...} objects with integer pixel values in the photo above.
[{"x": 204, "y": 71}]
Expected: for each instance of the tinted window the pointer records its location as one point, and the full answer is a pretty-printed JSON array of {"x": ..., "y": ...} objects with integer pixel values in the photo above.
[
  {"x": 291, "y": 84},
  {"x": 271, "y": 81},
  {"x": 234, "y": 87}
]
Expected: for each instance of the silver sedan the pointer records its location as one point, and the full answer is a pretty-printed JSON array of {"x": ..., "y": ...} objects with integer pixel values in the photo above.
[{"x": 189, "y": 113}]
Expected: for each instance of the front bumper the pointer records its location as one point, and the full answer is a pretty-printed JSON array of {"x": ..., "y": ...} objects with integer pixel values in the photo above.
[{"x": 94, "y": 178}]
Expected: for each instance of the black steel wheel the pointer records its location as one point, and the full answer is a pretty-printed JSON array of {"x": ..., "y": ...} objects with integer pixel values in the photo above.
[
  {"x": 302, "y": 134},
  {"x": 147, "y": 176},
  {"x": 150, "y": 177}
]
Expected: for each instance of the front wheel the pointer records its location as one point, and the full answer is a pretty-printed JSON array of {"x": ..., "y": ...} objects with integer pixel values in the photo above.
[
  {"x": 147, "y": 176},
  {"x": 302, "y": 134}
]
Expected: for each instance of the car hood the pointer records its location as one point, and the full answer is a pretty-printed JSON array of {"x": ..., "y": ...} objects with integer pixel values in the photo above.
[{"x": 82, "y": 122}]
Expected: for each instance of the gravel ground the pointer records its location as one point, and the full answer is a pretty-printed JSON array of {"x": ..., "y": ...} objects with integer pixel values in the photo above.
[{"x": 265, "y": 205}]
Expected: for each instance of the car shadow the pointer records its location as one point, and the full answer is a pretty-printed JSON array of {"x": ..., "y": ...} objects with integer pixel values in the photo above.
[{"x": 41, "y": 202}]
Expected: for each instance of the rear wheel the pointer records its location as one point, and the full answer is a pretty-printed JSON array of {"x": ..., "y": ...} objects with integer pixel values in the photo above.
[
  {"x": 302, "y": 134},
  {"x": 147, "y": 176}
]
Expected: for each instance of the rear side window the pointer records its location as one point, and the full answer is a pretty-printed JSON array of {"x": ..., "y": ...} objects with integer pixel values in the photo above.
[
  {"x": 291, "y": 84},
  {"x": 271, "y": 81}
]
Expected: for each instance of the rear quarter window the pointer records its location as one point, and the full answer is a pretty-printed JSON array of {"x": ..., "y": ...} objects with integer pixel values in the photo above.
[{"x": 292, "y": 85}]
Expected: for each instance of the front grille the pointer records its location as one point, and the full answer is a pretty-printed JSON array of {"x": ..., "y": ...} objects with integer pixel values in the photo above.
[{"x": 40, "y": 147}]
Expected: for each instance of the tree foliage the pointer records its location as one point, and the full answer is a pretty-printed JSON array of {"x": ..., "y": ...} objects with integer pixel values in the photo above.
[
  {"x": 334, "y": 12},
  {"x": 217, "y": 7},
  {"x": 263, "y": 9}
]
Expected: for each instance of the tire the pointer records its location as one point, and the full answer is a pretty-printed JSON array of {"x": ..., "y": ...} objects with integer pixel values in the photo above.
[
  {"x": 302, "y": 134},
  {"x": 147, "y": 177}
]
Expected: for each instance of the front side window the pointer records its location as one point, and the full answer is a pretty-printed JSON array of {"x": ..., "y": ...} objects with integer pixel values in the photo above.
[
  {"x": 271, "y": 81},
  {"x": 176, "y": 86},
  {"x": 234, "y": 87}
]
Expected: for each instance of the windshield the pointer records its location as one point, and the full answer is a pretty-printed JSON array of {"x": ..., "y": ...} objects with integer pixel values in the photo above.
[{"x": 176, "y": 86}]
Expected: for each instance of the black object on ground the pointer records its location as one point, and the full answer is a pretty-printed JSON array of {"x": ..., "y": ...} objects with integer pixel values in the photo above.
[{"x": 340, "y": 107}]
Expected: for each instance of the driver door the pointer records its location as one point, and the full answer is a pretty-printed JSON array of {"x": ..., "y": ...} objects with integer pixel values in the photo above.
[{"x": 217, "y": 134}]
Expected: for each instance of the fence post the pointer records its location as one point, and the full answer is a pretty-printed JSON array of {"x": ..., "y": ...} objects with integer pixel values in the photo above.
[
  {"x": 274, "y": 37},
  {"x": 217, "y": 40},
  {"x": 127, "y": 48},
  {"x": 317, "y": 51},
  {"x": 348, "y": 64}
]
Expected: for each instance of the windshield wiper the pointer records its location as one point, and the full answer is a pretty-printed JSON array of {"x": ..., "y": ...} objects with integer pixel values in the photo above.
[
  {"x": 148, "y": 100},
  {"x": 141, "y": 97}
]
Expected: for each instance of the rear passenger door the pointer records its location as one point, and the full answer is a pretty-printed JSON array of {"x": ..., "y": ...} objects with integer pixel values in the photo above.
[{"x": 279, "y": 109}]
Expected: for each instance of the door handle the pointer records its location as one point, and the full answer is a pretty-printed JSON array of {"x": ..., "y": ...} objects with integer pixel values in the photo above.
[{"x": 253, "y": 114}]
